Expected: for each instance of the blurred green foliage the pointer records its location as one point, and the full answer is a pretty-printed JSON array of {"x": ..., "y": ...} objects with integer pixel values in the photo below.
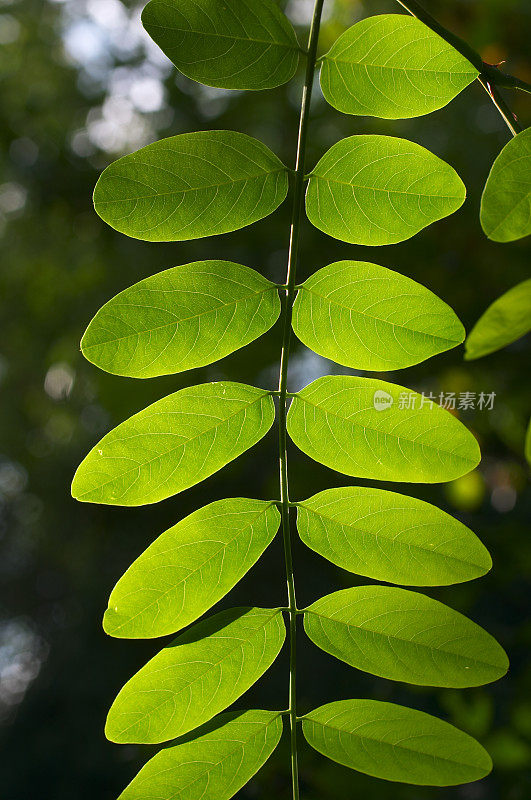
[{"x": 80, "y": 85}]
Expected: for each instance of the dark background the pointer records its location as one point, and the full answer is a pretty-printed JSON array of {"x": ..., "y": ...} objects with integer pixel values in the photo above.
[{"x": 80, "y": 85}]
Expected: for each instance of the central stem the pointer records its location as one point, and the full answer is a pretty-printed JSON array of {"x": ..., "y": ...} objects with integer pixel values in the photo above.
[{"x": 298, "y": 199}]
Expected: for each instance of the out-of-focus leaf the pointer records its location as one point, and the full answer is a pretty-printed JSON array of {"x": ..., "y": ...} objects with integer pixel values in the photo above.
[
  {"x": 506, "y": 202},
  {"x": 505, "y": 321}
]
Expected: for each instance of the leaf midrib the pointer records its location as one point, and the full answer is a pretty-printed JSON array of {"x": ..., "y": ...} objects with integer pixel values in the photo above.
[
  {"x": 338, "y": 60},
  {"x": 235, "y": 38},
  {"x": 384, "y": 191}
]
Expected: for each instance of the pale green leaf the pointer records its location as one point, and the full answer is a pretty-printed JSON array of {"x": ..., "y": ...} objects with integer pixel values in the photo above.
[
  {"x": 213, "y": 763},
  {"x": 393, "y": 66},
  {"x": 237, "y": 44},
  {"x": 390, "y": 537},
  {"x": 371, "y": 318},
  {"x": 372, "y": 429},
  {"x": 198, "y": 675},
  {"x": 505, "y": 321},
  {"x": 506, "y": 201},
  {"x": 395, "y": 743},
  {"x": 404, "y": 636},
  {"x": 377, "y": 190},
  {"x": 190, "y": 567},
  {"x": 174, "y": 444},
  {"x": 190, "y": 186},
  {"x": 185, "y": 317}
]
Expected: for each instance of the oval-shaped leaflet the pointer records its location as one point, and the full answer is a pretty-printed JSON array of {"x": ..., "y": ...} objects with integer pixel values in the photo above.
[
  {"x": 219, "y": 760},
  {"x": 239, "y": 44},
  {"x": 377, "y": 190},
  {"x": 190, "y": 186},
  {"x": 174, "y": 444},
  {"x": 182, "y": 318},
  {"x": 506, "y": 201},
  {"x": 395, "y": 743},
  {"x": 371, "y": 318},
  {"x": 372, "y": 429},
  {"x": 393, "y": 66},
  {"x": 404, "y": 636},
  {"x": 390, "y": 537},
  {"x": 505, "y": 321},
  {"x": 190, "y": 567},
  {"x": 198, "y": 675}
]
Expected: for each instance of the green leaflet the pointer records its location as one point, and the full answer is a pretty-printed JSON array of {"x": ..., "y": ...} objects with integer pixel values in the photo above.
[
  {"x": 506, "y": 202},
  {"x": 190, "y": 567},
  {"x": 505, "y": 321},
  {"x": 404, "y": 636},
  {"x": 221, "y": 758},
  {"x": 372, "y": 429},
  {"x": 390, "y": 537},
  {"x": 198, "y": 675},
  {"x": 182, "y": 318},
  {"x": 237, "y": 44},
  {"x": 371, "y": 318},
  {"x": 377, "y": 190},
  {"x": 393, "y": 66},
  {"x": 192, "y": 185},
  {"x": 174, "y": 444},
  {"x": 395, "y": 743}
]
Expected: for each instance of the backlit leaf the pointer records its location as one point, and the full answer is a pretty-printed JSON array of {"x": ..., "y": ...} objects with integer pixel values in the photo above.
[
  {"x": 190, "y": 186},
  {"x": 371, "y": 318},
  {"x": 377, "y": 190},
  {"x": 372, "y": 429},
  {"x": 182, "y": 318},
  {"x": 390, "y": 537},
  {"x": 393, "y": 66},
  {"x": 395, "y": 743},
  {"x": 404, "y": 636},
  {"x": 237, "y": 44},
  {"x": 174, "y": 444},
  {"x": 505, "y": 321},
  {"x": 198, "y": 675},
  {"x": 211, "y": 764},
  {"x": 190, "y": 567},
  {"x": 506, "y": 202}
]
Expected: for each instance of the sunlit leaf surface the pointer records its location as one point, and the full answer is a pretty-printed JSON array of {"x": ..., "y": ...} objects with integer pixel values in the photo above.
[
  {"x": 506, "y": 202},
  {"x": 505, "y": 321}
]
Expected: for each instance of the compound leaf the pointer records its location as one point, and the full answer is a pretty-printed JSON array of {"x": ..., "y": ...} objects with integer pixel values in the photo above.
[
  {"x": 404, "y": 636},
  {"x": 377, "y": 190},
  {"x": 393, "y": 66},
  {"x": 198, "y": 675},
  {"x": 505, "y": 321},
  {"x": 390, "y": 537},
  {"x": 237, "y": 44},
  {"x": 174, "y": 444},
  {"x": 506, "y": 202},
  {"x": 190, "y": 186},
  {"x": 182, "y": 318},
  {"x": 371, "y": 318},
  {"x": 372, "y": 429},
  {"x": 190, "y": 567},
  {"x": 395, "y": 743},
  {"x": 221, "y": 758}
]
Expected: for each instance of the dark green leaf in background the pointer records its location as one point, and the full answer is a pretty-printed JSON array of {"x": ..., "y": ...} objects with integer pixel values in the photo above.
[
  {"x": 393, "y": 66},
  {"x": 377, "y": 190},
  {"x": 196, "y": 676},
  {"x": 371, "y": 318},
  {"x": 185, "y": 317},
  {"x": 506, "y": 201},
  {"x": 395, "y": 743},
  {"x": 190, "y": 186},
  {"x": 369, "y": 429},
  {"x": 174, "y": 444},
  {"x": 505, "y": 321},
  {"x": 225, "y": 755},
  {"x": 404, "y": 636},
  {"x": 190, "y": 567},
  {"x": 390, "y": 537},
  {"x": 236, "y": 44}
]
